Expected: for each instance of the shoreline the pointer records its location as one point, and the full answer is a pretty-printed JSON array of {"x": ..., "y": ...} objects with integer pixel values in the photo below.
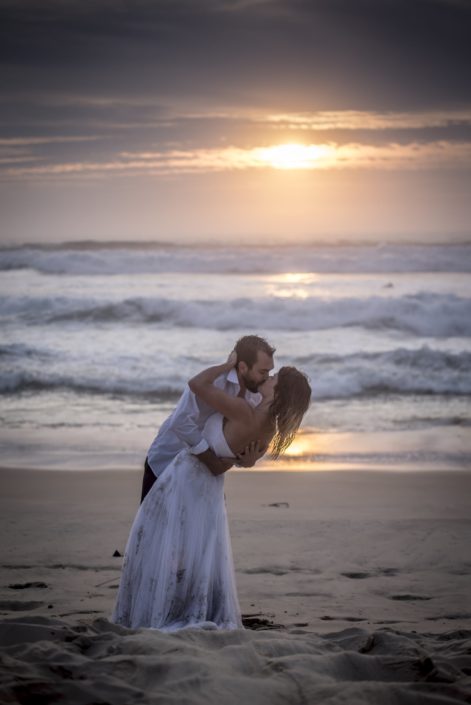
[{"x": 306, "y": 468}]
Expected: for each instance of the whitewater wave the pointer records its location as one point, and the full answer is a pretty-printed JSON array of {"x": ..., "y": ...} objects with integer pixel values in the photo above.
[
  {"x": 42, "y": 380},
  {"x": 422, "y": 314},
  {"x": 93, "y": 259},
  {"x": 399, "y": 371}
]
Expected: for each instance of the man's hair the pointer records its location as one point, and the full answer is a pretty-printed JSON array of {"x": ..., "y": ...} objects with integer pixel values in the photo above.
[{"x": 247, "y": 349}]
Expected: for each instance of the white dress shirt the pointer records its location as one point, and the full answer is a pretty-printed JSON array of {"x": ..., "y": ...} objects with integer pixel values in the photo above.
[{"x": 184, "y": 427}]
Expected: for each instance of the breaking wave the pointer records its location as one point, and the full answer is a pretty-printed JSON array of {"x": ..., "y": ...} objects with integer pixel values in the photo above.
[
  {"x": 421, "y": 314},
  {"x": 147, "y": 258},
  {"x": 398, "y": 371}
]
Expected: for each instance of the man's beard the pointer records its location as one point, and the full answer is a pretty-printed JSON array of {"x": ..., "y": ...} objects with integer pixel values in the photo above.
[{"x": 251, "y": 385}]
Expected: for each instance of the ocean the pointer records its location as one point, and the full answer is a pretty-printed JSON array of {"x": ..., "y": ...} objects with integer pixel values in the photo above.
[{"x": 98, "y": 341}]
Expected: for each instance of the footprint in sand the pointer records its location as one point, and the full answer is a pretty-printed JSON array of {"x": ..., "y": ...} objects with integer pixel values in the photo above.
[
  {"x": 463, "y": 570},
  {"x": 308, "y": 594},
  {"x": 408, "y": 597},
  {"x": 15, "y": 606},
  {"x": 360, "y": 575},
  {"x": 328, "y": 618},
  {"x": 270, "y": 571},
  {"x": 67, "y": 614},
  {"x": 278, "y": 570},
  {"x": 457, "y": 615},
  {"x": 388, "y": 571}
]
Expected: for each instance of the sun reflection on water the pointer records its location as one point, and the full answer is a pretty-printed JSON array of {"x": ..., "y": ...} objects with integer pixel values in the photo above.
[{"x": 291, "y": 285}]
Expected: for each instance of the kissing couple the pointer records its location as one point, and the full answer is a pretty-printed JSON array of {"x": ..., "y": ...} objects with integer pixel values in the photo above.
[{"x": 178, "y": 570}]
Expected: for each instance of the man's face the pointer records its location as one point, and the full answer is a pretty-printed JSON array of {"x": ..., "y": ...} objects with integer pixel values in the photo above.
[{"x": 257, "y": 374}]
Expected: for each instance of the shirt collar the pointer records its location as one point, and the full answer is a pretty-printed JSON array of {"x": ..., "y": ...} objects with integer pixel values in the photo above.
[{"x": 232, "y": 376}]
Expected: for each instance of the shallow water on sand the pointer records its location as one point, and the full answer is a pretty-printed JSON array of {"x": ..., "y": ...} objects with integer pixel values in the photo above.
[{"x": 97, "y": 344}]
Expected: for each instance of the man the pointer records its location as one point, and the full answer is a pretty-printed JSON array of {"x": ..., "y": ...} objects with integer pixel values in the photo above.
[{"x": 184, "y": 426}]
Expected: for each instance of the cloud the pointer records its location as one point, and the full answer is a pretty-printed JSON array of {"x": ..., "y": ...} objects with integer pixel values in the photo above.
[
  {"x": 100, "y": 91},
  {"x": 277, "y": 55},
  {"x": 19, "y": 141},
  {"x": 15, "y": 160},
  {"x": 414, "y": 156},
  {"x": 363, "y": 120},
  {"x": 197, "y": 141}
]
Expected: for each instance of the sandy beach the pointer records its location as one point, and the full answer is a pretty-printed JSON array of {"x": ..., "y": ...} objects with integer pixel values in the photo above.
[{"x": 364, "y": 576}]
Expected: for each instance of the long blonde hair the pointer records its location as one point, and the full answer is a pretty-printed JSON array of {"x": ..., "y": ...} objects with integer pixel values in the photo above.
[{"x": 290, "y": 402}]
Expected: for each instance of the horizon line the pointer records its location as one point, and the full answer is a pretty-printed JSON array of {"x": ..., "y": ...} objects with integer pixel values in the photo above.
[{"x": 90, "y": 243}]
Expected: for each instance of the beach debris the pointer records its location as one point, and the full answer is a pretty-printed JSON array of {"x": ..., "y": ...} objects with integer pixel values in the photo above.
[
  {"x": 22, "y": 586},
  {"x": 117, "y": 554},
  {"x": 105, "y": 582},
  {"x": 259, "y": 621},
  {"x": 277, "y": 504}
]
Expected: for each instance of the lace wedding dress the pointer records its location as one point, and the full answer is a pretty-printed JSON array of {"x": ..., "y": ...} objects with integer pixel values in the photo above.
[{"x": 178, "y": 569}]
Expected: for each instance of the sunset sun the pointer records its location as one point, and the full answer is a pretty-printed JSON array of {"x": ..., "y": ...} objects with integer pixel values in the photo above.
[{"x": 293, "y": 156}]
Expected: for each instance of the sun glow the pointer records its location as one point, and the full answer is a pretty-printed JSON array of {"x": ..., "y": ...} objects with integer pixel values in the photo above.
[
  {"x": 293, "y": 156},
  {"x": 302, "y": 445}
]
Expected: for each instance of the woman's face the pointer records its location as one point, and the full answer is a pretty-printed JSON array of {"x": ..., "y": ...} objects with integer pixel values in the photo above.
[{"x": 267, "y": 389}]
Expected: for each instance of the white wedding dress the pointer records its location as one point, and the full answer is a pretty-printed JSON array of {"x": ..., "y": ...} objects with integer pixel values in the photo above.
[{"x": 178, "y": 570}]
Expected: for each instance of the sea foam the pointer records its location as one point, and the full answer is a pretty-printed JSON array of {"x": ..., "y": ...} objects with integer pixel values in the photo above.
[
  {"x": 400, "y": 371},
  {"x": 423, "y": 314},
  {"x": 99, "y": 259}
]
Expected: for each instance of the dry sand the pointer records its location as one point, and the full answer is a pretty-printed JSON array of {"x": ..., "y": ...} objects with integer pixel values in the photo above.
[{"x": 366, "y": 574}]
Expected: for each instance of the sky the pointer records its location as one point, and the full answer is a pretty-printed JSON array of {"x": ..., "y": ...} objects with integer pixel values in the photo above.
[{"x": 235, "y": 120}]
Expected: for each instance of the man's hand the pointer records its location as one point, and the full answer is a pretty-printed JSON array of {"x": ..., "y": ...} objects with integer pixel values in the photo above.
[
  {"x": 215, "y": 465},
  {"x": 253, "y": 452}
]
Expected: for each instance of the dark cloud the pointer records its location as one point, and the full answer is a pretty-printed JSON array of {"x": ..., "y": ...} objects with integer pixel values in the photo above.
[
  {"x": 140, "y": 77},
  {"x": 135, "y": 75},
  {"x": 286, "y": 55}
]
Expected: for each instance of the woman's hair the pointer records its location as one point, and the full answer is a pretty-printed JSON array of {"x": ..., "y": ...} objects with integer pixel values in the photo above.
[{"x": 290, "y": 403}]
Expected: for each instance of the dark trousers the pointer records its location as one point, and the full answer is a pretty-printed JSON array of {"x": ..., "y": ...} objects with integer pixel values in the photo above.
[{"x": 148, "y": 480}]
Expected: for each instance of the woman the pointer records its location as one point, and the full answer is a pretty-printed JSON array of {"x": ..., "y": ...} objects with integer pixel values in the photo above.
[{"x": 178, "y": 570}]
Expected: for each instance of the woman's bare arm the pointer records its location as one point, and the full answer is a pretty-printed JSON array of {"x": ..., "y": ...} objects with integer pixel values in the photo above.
[{"x": 202, "y": 385}]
